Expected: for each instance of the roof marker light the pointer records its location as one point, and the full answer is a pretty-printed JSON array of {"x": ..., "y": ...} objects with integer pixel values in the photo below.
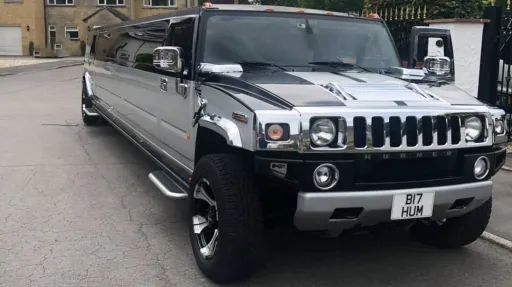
[
  {"x": 207, "y": 4},
  {"x": 300, "y": 11},
  {"x": 329, "y": 13},
  {"x": 269, "y": 9},
  {"x": 373, "y": 15}
]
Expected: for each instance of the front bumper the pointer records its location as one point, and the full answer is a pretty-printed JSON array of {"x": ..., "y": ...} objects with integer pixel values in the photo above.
[{"x": 320, "y": 211}]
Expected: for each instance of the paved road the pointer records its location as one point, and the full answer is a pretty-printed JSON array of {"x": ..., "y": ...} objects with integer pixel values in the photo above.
[
  {"x": 77, "y": 209},
  {"x": 64, "y": 62}
]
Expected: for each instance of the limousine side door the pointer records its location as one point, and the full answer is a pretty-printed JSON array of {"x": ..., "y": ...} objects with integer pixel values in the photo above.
[
  {"x": 176, "y": 100},
  {"x": 104, "y": 71}
]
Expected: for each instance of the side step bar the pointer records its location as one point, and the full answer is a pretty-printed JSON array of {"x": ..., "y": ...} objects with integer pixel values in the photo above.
[
  {"x": 167, "y": 186},
  {"x": 90, "y": 112}
]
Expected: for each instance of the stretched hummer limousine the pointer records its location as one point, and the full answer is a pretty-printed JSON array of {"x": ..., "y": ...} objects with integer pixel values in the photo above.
[{"x": 261, "y": 114}]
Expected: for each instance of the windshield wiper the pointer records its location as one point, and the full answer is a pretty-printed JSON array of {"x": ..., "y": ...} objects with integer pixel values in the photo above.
[
  {"x": 338, "y": 63},
  {"x": 260, "y": 64}
]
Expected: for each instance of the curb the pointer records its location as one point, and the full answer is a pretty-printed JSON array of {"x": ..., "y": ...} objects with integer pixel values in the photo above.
[
  {"x": 42, "y": 70},
  {"x": 66, "y": 66},
  {"x": 507, "y": 168},
  {"x": 502, "y": 242}
]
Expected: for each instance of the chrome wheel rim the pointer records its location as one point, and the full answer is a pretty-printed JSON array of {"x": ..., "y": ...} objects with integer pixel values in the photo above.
[{"x": 205, "y": 219}]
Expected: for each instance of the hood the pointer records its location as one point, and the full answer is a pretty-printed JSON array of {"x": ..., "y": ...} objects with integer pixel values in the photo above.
[{"x": 357, "y": 89}]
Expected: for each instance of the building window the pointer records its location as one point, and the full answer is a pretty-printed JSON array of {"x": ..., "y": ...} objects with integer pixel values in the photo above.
[
  {"x": 111, "y": 2},
  {"x": 61, "y": 2},
  {"x": 72, "y": 33},
  {"x": 52, "y": 35},
  {"x": 57, "y": 46},
  {"x": 159, "y": 3}
]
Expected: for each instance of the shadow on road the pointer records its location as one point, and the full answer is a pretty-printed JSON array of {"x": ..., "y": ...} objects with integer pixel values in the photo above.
[{"x": 383, "y": 258}]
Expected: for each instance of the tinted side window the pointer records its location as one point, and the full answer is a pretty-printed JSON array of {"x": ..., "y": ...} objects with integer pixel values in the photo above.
[
  {"x": 182, "y": 35},
  {"x": 139, "y": 44},
  {"x": 90, "y": 44},
  {"x": 105, "y": 42}
]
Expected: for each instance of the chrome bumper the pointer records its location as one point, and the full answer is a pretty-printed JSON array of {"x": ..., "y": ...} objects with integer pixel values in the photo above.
[{"x": 314, "y": 209}]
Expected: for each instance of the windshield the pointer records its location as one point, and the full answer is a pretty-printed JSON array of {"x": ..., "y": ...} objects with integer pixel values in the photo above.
[{"x": 297, "y": 40}]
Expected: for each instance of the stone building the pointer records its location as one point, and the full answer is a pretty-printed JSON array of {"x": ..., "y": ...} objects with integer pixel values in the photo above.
[
  {"x": 21, "y": 22},
  {"x": 59, "y": 26}
]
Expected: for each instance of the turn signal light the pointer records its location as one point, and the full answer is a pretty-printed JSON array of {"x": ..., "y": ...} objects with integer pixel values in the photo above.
[{"x": 275, "y": 132}]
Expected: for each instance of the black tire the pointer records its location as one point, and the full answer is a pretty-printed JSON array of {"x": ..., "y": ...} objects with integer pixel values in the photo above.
[
  {"x": 240, "y": 226},
  {"x": 455, "y": 232}
]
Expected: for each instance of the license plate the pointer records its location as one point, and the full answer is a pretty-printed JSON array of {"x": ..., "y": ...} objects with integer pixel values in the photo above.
[{"x": 412, "y": 205}]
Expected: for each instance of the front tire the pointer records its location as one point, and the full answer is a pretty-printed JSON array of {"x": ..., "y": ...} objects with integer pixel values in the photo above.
[
  {"x": 225, "y": 226},
  {"x": 454, "y": 232}
]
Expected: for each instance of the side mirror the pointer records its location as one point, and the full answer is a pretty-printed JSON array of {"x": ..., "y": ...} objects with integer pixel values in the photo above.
[
  {"x": 437, "y": 66},
  {"x": 168, "y": 59},
  {"x": 431, "y": 49}
]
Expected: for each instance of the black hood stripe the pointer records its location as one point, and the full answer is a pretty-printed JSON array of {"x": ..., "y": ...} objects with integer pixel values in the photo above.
[
  {"x": 349, "y": 77},
  {"x": 276, "y": 78},
  {"x": 249, "y": 88}
]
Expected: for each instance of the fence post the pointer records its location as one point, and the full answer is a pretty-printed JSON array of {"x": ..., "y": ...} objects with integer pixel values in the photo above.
[{"x": 490, "y": 57}]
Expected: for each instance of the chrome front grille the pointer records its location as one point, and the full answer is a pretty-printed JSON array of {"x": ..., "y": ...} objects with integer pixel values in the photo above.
[{"x": 409, "y": 132}]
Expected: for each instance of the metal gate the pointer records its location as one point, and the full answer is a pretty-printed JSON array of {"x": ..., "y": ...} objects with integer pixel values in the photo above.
[{"x": 495, "y": 83}]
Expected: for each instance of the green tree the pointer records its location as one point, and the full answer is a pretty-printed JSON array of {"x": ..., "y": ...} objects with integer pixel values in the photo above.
[
  {"x": 330, "y": 5},
  {"x": 438, "y": 9}
]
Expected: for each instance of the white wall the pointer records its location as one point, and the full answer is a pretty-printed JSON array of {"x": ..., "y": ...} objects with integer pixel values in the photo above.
[{"x": 467, "y": 46}]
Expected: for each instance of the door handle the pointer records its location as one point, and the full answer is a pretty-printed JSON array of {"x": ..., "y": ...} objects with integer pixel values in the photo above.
[
  {"x": 163, "y": 84},
  {"x": 181, "y": 88}
]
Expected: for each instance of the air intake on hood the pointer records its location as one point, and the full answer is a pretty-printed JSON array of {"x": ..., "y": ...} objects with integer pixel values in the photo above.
[{"x": 390, "y": 91}]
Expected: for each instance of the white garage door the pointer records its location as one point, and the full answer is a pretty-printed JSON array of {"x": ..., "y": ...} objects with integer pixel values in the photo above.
[{"x": 10, "y": 41}]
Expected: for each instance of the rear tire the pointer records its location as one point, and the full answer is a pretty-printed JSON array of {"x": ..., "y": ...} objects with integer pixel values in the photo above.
[
  {"x": 455, "y": 232},
  {"x": 229, "y": 185}
]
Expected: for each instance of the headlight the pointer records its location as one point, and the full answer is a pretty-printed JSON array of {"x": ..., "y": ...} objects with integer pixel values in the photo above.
[
  {"x": 499, "y": 126},
  {"x": 323, "y": 132},
  {"x": 325, "y": 176},
  {"x": 473, "y": 127},
  {"x": 481, "y": 168}
]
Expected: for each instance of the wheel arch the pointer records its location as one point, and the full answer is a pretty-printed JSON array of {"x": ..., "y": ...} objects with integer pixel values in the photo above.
[{"x": 218, "y": 136}]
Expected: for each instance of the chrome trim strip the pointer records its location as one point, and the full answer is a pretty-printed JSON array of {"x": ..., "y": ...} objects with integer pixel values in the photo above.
[
  {"x": 498, "y": 114},
  {"x": 88, "y": 85},
  {"x": 224, "y": 127}
]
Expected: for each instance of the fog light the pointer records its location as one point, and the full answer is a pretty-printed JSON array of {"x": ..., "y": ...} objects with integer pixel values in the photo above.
[
  {"x": 481, "y": 168},
  {"x": 325, "y": 176}
]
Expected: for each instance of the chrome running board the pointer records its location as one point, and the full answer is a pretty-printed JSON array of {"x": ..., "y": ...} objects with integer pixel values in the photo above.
[{"x": 167, "y": 185}]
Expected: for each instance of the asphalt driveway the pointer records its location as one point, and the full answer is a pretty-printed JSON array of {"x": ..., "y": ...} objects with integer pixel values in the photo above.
[{"x": 77, "y": 209}]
